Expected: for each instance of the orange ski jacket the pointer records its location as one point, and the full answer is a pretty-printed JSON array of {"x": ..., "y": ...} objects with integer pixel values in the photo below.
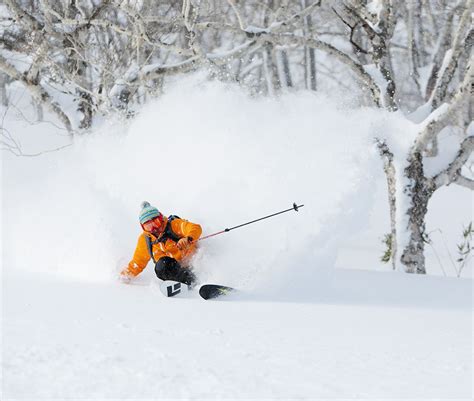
[{"x": 165, "y": 245}]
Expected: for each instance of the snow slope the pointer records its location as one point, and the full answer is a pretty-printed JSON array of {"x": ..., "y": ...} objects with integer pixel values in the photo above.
[
  {"x": 368, "y": 335},
  {"x": 302, "y": 327}
]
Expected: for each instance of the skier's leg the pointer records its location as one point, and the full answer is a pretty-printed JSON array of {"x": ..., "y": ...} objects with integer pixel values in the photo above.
[
  {"x": 169, "y": 269},
  {"x": 166, "y": 268}
]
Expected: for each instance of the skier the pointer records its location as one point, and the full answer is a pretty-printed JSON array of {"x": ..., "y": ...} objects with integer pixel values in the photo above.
[{"x": 169, "y": 241}]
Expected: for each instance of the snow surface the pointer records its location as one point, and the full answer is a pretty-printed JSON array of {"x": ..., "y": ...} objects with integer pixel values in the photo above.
[
  {"x": 366, "y": 335},
  {"x": 307, "y": 322}
]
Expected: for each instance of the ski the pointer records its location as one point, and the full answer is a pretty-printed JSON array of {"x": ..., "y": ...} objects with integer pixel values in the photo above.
[
  {"x": 171, "y": 288},
  {"x": 211, "y": 291}
]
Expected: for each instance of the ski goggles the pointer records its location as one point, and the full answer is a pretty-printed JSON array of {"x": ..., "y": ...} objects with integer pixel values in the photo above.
[{"x": 154, "y": 224}]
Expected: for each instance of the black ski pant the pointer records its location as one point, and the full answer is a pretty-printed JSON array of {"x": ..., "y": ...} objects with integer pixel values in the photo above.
[{"x": 169, "y": 269}]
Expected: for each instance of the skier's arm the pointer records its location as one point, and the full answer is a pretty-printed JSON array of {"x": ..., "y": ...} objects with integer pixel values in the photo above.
[
  {"x": 186, "y": 229},
  {"x": 141, "y": 257}
]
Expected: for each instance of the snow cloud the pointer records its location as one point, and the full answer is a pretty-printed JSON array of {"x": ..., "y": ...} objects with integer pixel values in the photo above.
[{"x": 210, "y": 154}]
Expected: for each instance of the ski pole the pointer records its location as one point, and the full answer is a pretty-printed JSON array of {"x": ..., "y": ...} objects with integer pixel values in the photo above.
[{"x": 295, "y": 208}]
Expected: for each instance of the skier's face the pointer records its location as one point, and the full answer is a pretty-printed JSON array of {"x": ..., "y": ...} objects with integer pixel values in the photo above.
[{"x": 154, "y": 226}]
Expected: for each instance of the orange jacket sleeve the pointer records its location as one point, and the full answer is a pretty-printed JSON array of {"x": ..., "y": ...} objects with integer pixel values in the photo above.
[
  {"x": 141, "y": 257},
  {"x": 184, "y": 228}
]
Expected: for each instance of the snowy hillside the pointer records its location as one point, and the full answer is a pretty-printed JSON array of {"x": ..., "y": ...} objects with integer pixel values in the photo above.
[
  {"x": 365, "y": 336},
  {"x": 318, "y": 314}
]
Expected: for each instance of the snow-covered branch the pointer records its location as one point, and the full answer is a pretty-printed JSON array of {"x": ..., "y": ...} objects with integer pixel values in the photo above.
[
  {"x": 453, "y": 172},
  {"x": 391, "y": 176},
  {"x": 343, "y": 57},
  {"x": 441, "y": 117},
  {"x": 297, "y": 17},
  {"x": 103, "y": 49},
  {"x": 38, "y": 91},
  {"x": 465, "y": 182},
  {"x": 120, "y": 90},
  {"x": 452, "y": 56},
  {"x": 22, "y": 16},
  {"x": 444, "y": 43},
  {"x": 237, "y": 13},
  {"x": 378, "y": 26}
]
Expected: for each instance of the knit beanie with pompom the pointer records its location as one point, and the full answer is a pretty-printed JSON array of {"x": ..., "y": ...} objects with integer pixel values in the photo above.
[{"x": 148, "y": 212}]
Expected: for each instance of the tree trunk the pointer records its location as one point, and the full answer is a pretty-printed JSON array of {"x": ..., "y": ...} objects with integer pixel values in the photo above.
[
  {"x": 451, "y": 59},
  {"x": 3, "y": 89},
  {"x": 273, "y": 76},
  {"x": 272, "y": 67},
  {"x": 419, "y": 191},
  {"x": 412, "y": 25},
  {"x": 85, "y": 108},
  {"x": 381, "y": 58},
  {"x": 286, "y": 69},
  {"x": 443, "y": 45},
  {"x": 310, "y": 53},
  {"x": 380, "y": 37},
  {"x": 312, "y": 68},
  {"x": 390, "y": 175}
]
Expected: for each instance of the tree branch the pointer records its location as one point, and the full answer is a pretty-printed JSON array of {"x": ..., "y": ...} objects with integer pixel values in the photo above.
[
  {"x": 23, "y": 17},
  {"x": 443, "y": 44},
  {"x": 390, "y": 174},
  {"x": 38, "y": 91},
  {"x": 353, "y": 65},
  {"x": 275, "y": 27},
  {"x": 352, "y": 28},
  {"x": 239, "y": 17},
  {"x": 441, "y": 117},
  {"x": 465, "y": 182},
  {"x": 458, "y": 46},
  {"x": 453, "y": 171}
]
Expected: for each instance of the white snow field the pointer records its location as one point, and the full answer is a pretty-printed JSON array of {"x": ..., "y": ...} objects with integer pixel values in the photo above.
[
  {"x": 366, "y": 335},
  {"x": 318, "y": 316}
]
